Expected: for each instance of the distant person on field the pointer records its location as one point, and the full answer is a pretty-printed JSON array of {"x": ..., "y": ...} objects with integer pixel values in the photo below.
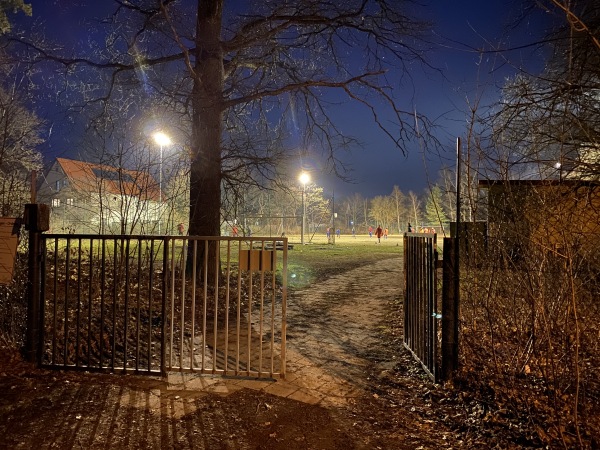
[
  {"x": 235, "y": 231},
  {"x": 370, "y": 232},
  {"x": 385, "y": 233},
  {"x": 338, "y": 232},
  {"x": 409, "y": 227},
  {"x": 328, "y": 234},
  {"x": 379, "y": 233},
  {"x": 353, "y": 233}
]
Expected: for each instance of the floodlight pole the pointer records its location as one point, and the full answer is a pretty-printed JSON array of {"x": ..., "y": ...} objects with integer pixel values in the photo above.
[
  {"x": 333, "y": 215},
  {"x": 304, "y": 178},
  {"x": 303, "y": 214},
  {"x": 161, "y": 139},
  {"x": 160, "y": 208}
]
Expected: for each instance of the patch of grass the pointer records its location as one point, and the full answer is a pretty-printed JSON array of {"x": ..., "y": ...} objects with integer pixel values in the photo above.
[{"x": 317, "y": 261}]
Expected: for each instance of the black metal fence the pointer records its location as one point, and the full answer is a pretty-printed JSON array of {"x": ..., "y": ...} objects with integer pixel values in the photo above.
[
  {"x": 151, "y": 304},
  {"x": 434, "y": 346},
  {"x": 421, "y": 309}
]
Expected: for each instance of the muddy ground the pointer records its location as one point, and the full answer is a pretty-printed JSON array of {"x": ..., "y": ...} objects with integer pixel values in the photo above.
[{"x": 346, "y": 331}]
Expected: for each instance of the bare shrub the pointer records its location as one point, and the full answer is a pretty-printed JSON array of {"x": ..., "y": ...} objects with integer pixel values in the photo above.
[
  {"x": 529, "y": 328},
  {"x": 13, "y": 306}
]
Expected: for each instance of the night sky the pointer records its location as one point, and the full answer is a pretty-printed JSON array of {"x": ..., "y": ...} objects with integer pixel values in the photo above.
[{"x": 461, "y": 27}]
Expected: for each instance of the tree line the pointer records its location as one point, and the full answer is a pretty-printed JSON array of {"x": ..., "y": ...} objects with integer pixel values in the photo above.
[{"x": 274, "y": 212}]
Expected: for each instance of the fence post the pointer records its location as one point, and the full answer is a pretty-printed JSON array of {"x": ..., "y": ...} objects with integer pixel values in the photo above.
[
  {"x": 449, "y": 310},
  {"x": 37, "y": 220}
]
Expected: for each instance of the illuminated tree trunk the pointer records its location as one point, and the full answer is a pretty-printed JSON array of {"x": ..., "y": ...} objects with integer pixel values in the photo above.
[{"x": 205, "y": 171}]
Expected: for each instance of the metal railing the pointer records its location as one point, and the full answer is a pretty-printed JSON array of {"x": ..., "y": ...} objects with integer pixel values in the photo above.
[
  {"x": 153, "y": 304},
  {"x": 421, "y": 311}
]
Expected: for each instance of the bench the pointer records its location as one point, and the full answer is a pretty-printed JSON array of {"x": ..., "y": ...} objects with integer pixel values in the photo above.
[{"x": 269, "y": 245}]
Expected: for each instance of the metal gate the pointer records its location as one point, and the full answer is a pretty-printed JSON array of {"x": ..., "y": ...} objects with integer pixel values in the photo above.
[
  {"x": 421, "y": 311},
  {"x": 153, "y": 304}
]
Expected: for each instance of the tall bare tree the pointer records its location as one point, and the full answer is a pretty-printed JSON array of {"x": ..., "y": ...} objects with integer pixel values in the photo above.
[
  {"x": 234, "y": 73},
  {"x": 19, "y": 134},
  {"x": 353, "y": 205},
  {"x": 415, "y": 208},
  {"x": 434, "y": 211},
  {"x": 382, "y": 210},
  {"x": 399, "y": 205},
  {"x": 240, "y": 76}
]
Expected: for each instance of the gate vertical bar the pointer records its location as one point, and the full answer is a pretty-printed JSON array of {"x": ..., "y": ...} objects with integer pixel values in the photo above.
[
  {"x": 114, "y": 304},
  {"x": 66, "y": 303},
  {"x": 138, "y": 306},
  {"x": 42, "y": 303},
  {"x": 227, "y": 294},
  {"x": 249, "y": 324},
  {"x": 102, "y": 302},
  {"x": 261, "y": 313},
  {"x": 150, "y": 301},
  {"x": 217, "y": 247},
  {"x": 284, "y": 278},
  {"x": 55, "y": 297},
  {"x": 90, "y": 302},
  {"x": 163, "y": 346},
  {"x": 194, "y": 283},
  {"x": 238, "y": 313},
  {"x": 204, "y": 301},
  {"x": 78, "y": 315},
  {"x": 272, "y": 323}
]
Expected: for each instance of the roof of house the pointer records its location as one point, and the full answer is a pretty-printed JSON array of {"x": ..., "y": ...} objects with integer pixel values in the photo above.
[{"x": 91, "y": 177}]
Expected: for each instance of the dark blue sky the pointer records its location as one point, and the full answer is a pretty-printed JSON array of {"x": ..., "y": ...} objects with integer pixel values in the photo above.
[{"x": 461, "y": 27}]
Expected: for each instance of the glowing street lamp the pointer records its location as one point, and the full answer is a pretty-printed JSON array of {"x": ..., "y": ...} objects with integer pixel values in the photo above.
[
  {"x": 304, "y": 178},
  {"x": 161, "y": 139}
]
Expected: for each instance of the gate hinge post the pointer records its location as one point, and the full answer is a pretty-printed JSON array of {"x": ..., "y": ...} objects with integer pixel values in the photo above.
[{"x": 36, "y": 219}]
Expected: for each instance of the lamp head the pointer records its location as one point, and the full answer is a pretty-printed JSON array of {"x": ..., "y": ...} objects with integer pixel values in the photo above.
[
  {"x": 161, "y": 138},
  {"x": 304, "y": 178}
]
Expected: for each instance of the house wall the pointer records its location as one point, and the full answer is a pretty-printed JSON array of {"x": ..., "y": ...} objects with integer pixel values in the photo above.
[
  {"x": 65, "y": 203},
  {"x": 551, "y": 217},
  {"x": 93, "y": 210}
]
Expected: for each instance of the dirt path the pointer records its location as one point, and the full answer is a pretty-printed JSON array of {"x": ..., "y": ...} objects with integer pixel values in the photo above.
[
  {"x": 337, "y": 326},
  {"x": 348, "y": 387}
]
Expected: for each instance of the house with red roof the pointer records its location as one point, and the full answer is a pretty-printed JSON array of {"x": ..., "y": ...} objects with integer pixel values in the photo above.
[{"x": 96, "y": 198}]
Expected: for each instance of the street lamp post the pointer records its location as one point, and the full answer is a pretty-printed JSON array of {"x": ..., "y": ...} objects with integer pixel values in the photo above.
[
  {"x": 304, "y": 178},
  {"x": 161, "y": 139}
]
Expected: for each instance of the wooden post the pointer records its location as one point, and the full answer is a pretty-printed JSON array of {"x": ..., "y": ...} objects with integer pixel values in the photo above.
[
  {"x": 36, "y": 220},
  {"x": 449, "y": 310}
]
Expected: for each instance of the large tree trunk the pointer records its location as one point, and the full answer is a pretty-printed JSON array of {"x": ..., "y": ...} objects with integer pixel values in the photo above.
[{"x": 205, "y": 173}]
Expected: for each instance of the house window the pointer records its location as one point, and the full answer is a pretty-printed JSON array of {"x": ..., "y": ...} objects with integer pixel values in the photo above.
[
  {"x": 70, "y": 202},
  {"x": 55, "y": 202},
  {"x": 58, "y": 185},
  {"x": 65, "y": 182}
]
